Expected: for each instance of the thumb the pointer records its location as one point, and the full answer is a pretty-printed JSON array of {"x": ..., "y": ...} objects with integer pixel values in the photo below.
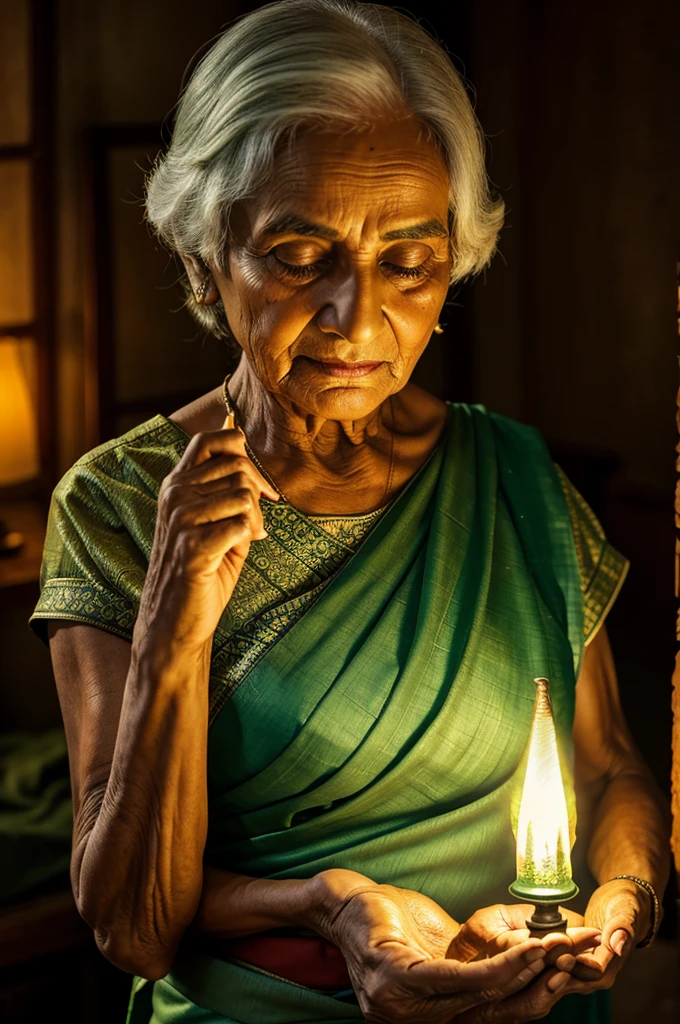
[
  {"x": 618, "y": 930},
  {"x": 619, "y": 941},
  {"x": 466, "y": 944}
]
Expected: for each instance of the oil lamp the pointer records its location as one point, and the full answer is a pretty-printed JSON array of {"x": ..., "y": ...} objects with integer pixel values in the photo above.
[{"x": 543, "y": 835}]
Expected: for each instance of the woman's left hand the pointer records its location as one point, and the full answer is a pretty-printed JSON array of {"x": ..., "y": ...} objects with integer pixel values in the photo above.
[{"x": 621, "y": 911}]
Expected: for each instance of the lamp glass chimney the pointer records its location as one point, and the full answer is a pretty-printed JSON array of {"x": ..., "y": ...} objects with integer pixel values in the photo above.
[{"x": 543, "y": 834}]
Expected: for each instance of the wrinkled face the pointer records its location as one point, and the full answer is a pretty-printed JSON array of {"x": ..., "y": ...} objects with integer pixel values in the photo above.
[{"x": 339, "y": 269}]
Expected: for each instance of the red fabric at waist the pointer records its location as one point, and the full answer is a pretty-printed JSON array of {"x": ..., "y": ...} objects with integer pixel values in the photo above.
[{"x": 306, "y": 960}]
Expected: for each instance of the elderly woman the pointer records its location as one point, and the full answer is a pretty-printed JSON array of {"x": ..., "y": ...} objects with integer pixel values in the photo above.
[{"x": 295, "y": 625}]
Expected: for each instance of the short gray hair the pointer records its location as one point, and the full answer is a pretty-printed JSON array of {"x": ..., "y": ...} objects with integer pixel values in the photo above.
[{"x": 322, "y": 63}]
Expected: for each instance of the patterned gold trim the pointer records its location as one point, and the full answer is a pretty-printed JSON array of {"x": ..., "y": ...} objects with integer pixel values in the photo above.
[
  {"x": 282, "y": 577},
  {"x": 80, "y": 601},
  {"x": 602, "y": 569},
  {"x": 615, "y": 569}
]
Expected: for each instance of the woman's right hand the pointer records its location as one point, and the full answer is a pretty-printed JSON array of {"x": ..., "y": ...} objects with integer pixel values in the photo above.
[
  {"x": 396, "y": 953},
  {"x": 208, "y": 514}
]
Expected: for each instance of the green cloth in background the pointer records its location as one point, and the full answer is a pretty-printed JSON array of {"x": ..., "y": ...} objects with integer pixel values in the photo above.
[{"x": 35, "y": 812}]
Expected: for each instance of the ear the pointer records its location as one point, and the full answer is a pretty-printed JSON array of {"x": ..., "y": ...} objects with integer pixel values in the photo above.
[{"x": 201, "y": 280}]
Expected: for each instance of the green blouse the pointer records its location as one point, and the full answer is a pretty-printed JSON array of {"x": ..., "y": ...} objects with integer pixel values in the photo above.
[{"x": 100, "y": 531}]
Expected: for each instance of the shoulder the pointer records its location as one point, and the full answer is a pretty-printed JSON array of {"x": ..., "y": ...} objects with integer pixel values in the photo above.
[
  {"x": 205, "y": 413},
  {"x": 139, "y": 458},
  {"x": 100, "y": 529}
]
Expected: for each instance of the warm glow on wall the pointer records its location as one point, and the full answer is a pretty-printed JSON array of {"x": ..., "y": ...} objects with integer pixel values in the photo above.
[{"x": 19, "y": 453}]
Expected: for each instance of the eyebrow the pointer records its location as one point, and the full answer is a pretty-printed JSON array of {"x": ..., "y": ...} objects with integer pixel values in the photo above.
[
  {"x": 292, "y": 224},
  {"x": 427, "y": 229}
]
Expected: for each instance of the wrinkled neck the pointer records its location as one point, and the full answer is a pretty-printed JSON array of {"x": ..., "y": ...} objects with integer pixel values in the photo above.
[{"x": 276, "y": 426}]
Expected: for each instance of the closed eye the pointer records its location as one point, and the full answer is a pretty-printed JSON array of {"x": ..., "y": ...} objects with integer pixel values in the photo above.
[
  {"x": 408, "y": 273},
  {"x": 308, "y": 271}
]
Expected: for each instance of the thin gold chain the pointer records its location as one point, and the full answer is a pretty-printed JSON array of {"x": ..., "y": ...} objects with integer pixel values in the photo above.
[{"x": 231, "y": 408}]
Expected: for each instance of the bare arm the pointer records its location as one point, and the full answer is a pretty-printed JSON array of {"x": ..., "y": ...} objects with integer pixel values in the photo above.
[
  {"x": 136, "y": 731},
  {"x": 630, "y": 831},
  {"x": 136, "y": 716},
  {"x": 137, "y": 921},
  {"x": 628, "y": 822}
]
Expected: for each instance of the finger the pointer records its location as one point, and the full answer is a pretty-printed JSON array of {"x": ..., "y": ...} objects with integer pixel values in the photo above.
[
  {"x": 466, "y": 944},
  {"x": 453, "y": 1006},
  {"x": 485, "y": 928},
  {"x": 584, "y": 939},
  {"x": 618, "y": 933},
  {"x": 530, "y": 966},
  {"x": 221, "y": 505},
  {"x": 205, "y": 547},
  {"x": 559, "y": 951},
  {"x": 512, "y": 938},
  {"x": 604, "y": 981},
  {"x": 534, "y": 1002},
  {"x": 619, "y": 941},
  {"x": 223, "y": 465},
  {"x": 592, "y": 965},
  {"x": 212, "y": 443},
  {"x": 442, "y": 977},
  {"x": 619, "y": 914},
  {"x": 562, "y": 947},
  {"x": 600, "y": 957},
  {"x": 581, "y": 972}
]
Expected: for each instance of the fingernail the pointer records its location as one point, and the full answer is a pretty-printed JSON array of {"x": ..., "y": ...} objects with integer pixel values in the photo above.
[
  {"x": 557, "y": 982},
  {"x": 619, "y": 941}
]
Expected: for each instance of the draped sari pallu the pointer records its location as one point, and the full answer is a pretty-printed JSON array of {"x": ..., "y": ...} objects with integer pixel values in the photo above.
[{"x": 385, "y": 730}]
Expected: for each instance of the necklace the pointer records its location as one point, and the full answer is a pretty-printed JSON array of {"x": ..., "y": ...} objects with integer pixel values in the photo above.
[{"x": 231, "y": 408}]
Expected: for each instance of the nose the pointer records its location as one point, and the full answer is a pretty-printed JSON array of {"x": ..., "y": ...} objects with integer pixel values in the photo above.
[{"x": 354, "y": 307}]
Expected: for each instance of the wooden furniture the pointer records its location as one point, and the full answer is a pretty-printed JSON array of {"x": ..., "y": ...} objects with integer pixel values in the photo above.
[
  {"x": 24, "y": 566},
  {"x": 27, "y": 238}
]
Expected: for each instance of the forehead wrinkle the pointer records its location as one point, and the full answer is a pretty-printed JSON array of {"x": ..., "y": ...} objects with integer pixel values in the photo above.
[{"x": 301, "y": 202}]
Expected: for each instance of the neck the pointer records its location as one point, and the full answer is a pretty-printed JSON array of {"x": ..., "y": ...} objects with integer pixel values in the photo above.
[{"x": 276, "y": 426}]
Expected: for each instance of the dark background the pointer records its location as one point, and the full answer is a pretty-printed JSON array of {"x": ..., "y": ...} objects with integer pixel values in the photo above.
[{"x": 573, "y": 328}]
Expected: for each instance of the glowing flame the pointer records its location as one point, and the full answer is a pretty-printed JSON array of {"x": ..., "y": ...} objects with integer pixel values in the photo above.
[{"x": 543, "y": 843}]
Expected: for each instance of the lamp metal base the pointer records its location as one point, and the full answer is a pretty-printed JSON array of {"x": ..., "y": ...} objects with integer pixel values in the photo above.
[{"x": 546, "y": 916}]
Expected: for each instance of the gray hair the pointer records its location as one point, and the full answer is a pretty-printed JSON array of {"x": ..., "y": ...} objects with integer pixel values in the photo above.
[{"x": 324, "y": 63}]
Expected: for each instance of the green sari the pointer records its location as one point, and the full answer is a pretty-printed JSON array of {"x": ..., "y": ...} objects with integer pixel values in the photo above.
[{"x": 374, "y": 715}]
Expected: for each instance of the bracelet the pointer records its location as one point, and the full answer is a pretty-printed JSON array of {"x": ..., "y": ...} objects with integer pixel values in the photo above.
[{"x": 656, "y": 910}]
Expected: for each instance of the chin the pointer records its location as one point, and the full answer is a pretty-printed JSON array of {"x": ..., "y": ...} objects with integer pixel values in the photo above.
[
  {"x": 336, "y": 397},
  {"x": 335, "y": 401}
]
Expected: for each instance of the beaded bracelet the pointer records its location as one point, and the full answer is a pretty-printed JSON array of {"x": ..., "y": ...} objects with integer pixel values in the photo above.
[{"x": 656, "y": 910}]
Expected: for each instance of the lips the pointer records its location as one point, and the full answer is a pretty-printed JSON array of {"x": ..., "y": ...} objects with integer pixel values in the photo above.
[{"x": 337, "y": 368}]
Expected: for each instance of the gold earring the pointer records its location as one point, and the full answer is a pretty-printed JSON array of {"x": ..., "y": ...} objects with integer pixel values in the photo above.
[
  {"x": 438, "y": 329},
  {"x": 201, "y": 291}
]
